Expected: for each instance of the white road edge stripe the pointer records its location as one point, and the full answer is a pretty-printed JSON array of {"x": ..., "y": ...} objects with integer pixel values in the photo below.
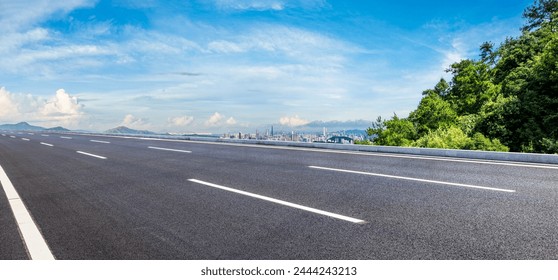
[
  {"x": 91, "y": 155},
  {"x": 285, "y": 203},
  {"x": 32, "y": 237},
  {"x": 24, "y": 139},
  {"x": 46, "y": 144},
  {"x": 166, "y": 149},
  {"x": 99, "y": 141},
  {"x": 411, "y": 179}
]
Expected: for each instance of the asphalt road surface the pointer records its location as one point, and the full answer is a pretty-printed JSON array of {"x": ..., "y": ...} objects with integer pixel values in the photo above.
[{"x": 95, "y": 197}]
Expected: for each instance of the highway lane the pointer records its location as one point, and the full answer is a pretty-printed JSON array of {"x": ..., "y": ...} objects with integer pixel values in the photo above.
[{"x": 138, "y": 203}]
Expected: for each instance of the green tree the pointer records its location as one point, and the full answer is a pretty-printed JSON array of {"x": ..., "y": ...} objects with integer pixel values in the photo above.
[
  {"x": 432, "y": 113},
  {"x": 499, "y": 119},
  {"x": 393, "y": 132},
  {"x": 471, "y": 86},
  {"x": 541, "y": 13},
  {"x": 538, "y": 99},
  {"x": 487, "y": 53}
]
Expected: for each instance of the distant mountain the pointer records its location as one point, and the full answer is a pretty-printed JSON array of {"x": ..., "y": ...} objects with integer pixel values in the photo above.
[
  {"x": 126, "y": 130},
  {"x": 355, "y": 127},
  {"x": 58, "y": 128},
  {"x": 21, "y": 126}
]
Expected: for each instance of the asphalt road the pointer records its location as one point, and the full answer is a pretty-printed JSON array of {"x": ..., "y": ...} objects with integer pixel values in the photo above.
[{"x": 94, "y": 197}]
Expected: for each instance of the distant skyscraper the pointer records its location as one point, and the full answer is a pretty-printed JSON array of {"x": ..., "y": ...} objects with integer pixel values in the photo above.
[{"x": 272, "y": 130}]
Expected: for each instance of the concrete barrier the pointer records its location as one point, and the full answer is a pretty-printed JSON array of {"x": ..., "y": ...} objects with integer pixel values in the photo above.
[{"x": 500, "y": 156}]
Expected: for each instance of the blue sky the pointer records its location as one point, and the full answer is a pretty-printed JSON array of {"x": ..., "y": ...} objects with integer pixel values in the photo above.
[{"x": 230, "y": 65}]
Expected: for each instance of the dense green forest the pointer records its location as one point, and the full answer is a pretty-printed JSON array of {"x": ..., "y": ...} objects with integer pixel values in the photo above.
[{"x": 507, "y": 100}]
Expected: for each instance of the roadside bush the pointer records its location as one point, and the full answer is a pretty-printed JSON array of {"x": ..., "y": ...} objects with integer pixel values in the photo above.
[
  {"x": 445, "y": 138},
  {"x": 480, "y": 142}
]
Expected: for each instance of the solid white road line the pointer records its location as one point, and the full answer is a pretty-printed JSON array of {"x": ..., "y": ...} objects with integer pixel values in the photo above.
[
  {"x": 24, "y": 139},
  {"x": 282, "y": 202},
  {"x": 46, "y": 144},
  {"x": 65, "y": 137},
  {"x": 91, "y": 155},
  {"x": 32, "y": 237},
  {"x": 45, "y": 135},
  {"x": 412, "y": 179},
  {"x": 99, "y": 141},
  {"x": 166, "y": 149}
]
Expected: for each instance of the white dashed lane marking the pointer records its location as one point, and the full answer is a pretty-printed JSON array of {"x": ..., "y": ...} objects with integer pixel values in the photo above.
[
  {"x": 282, "y": 202},
  {"x": 91, "y": 155}
]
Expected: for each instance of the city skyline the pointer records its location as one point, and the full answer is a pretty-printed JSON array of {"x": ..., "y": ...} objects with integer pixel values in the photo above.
[{"x": 223, "y": 65}]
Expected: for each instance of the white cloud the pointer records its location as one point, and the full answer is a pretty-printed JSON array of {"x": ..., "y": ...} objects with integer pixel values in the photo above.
[
  {"x": 132, "y": 121},
  {"x": 62, "y": 109},
  {"x": 293, "y": 121},
  {"x": 231, "y": 121},
  {"x": 214, "y": 119},
  {"x": 225, "y": 47},
  {"x": 456, "y": 53},
  {"x": 181, "y": 121},
  {"x": 219, "y": 120},
  {"x": 293, "y": 43},
  {"x": 267, "y": 5},
  {"x": 258, "y": 5},
  {"x": 16, "y": 15},
  {"x": 9, "y": 105},
  {"x": 12, "y": 41}
]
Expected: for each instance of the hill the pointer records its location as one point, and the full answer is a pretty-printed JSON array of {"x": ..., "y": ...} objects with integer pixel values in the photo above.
[{"x": 24, "y": 126}]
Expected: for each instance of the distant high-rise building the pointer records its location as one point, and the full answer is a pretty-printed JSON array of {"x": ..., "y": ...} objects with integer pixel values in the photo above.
[{"x": 272, "y": 130}]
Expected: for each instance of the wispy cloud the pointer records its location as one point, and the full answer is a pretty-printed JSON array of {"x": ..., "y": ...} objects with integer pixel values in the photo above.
[
  {"x": 18, "y": 15},
  {"x": 266, "y": 5},
  {"x": 259, "y": 5}
]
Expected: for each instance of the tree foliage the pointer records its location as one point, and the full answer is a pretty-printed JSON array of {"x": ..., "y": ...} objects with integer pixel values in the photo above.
[
  {"x": 541, "y": 13},
  {"x": 432, "y": 113},
  {"x": 393, "y": 132},
  {"x": 506, "y": 100}
]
